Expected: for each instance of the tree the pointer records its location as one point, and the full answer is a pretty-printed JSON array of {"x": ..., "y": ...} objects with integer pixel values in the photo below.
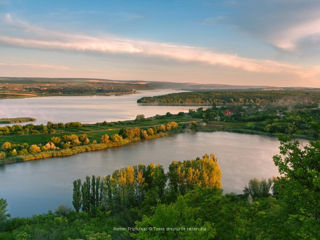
[
  {"x": 150, "y": 131},
  {"x": 13, "y": 152},
  {"x": 105, "y": 138},
  {"x": 140, "y": 117},
  {"x": 2, "y": 155},
  {"x": 34, "y": 148},
  {"x": 85, "y": 190},
  {"x": 3, "y": 212},
  {"x": 175, "y": 221},
  {"x": 6, "y": 146},
  {"x": 116, "y": 138},
  {"x": 55, "y": 140},
  {"x": 77, "y": 196},
  {"x": 257, "y": 188},
  {"x": 84, "y": 139},
  {"x": 299, "y": 185}
]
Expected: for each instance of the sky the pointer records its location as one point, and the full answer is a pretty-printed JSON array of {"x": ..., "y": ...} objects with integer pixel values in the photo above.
[{"x": 238, "y": 42}]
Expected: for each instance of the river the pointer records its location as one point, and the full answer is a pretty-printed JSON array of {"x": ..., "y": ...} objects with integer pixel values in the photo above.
[
  {"x": 86, "y": 109},
  {"x": 38, "y": 186}
]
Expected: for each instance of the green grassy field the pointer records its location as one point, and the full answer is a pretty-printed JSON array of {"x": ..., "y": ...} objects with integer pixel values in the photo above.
[{"x": 94, "y": 131}]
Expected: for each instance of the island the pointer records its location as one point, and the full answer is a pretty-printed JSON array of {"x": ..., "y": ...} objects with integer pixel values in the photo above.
[
  {"x": 16, "y": 120},
  {"x": 29, "y": 142}
]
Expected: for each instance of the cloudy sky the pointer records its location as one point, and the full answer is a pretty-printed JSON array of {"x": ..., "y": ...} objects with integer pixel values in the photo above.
[{"x": 242, "y": 42}]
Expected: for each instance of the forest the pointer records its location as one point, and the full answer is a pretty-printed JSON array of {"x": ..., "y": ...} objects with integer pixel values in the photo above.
[
  {"x": 300, "y": 121},
  {"x": 236, "y": 98},
  {"x": 185, "y": 202}
]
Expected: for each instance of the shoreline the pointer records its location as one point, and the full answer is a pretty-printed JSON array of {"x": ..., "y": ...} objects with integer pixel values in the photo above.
[
  {"x": 103, "y": 146},
  {"x": 76, "y": 150},
  {"x": 68, "y": 95}
]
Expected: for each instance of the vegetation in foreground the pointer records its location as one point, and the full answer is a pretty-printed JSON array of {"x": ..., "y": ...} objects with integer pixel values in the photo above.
[
  {"x": 144, "y": 202},
  {"x": 16, "y": 120}
]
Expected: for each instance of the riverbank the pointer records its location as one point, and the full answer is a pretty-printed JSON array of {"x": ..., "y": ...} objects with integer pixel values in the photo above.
[
  {"x": 61, "y": 140},
  {"x": 16, "y": 120},
  {"x": 76, "y": 150},
  {"x": 242, "y": 128},
  {"x": 32, "y": 142}
]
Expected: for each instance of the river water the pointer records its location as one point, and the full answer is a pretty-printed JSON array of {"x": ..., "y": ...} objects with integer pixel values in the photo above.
[
  {"x": 85, "y": 109},
  {"x": 38, "y": 186}
]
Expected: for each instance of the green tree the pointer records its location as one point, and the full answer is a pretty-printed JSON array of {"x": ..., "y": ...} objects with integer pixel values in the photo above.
[
  {"x": 299, "y": 186},
  {"x": 140, "y": 117},
  {"x": 257, "y": 188},
  {"x": 77, "y": 196},
  {"x": 175, "y": 221},
  {"x": 3, "y": 212}
]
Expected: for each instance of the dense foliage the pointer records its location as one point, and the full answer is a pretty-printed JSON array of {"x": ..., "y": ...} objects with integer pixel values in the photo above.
[
  {"x": 236, "y": 97},
  {"x": 70, "y": 144},
  {"x": 299, "y": 121},
  {"x": 143, "y": 202},
  {"x": 131, "y": 186}
]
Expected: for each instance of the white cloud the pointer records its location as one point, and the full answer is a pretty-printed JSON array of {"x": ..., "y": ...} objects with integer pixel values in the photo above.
[
  {"x": 289, "y": 38},
  {"x": 285, "y": 24},
  {"x": 34, "y": 65},
  {"x": 40, "y": 38}
]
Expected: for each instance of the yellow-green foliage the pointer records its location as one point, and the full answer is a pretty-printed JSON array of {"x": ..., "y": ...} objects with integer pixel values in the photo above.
[
  {"x": 55, "y": 140},
  {"x": 105, "y": 138},
  {"x": 73, "y": 139},
  {"x": 116, "y": 138},
  {"x": 129, "y": 186},
  {"x": 6, "y": 146},
  {"x": 204, "y": 172},
  {"x": 68, "y": 145},
  {"x": 34, "y": 149}
]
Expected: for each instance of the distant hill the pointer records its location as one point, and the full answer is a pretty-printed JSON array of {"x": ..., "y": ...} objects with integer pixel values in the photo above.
[{"x": 131, "y": 85}]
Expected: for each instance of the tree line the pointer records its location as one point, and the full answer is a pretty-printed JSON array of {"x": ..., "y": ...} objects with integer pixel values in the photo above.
[
  {"x": 158, "y": 205},
  {"x": 236, "y": 98},
  {"x": 131, "y": 186},
  {"x": 70, "y": 144},
  {"x": 50, "y": 128}
]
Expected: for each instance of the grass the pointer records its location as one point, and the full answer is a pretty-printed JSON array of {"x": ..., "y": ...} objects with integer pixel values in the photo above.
[{"x": 95, "y": 131}]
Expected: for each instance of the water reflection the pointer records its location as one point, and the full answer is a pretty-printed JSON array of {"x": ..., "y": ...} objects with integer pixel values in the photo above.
[{"x": 37, "y": 186}]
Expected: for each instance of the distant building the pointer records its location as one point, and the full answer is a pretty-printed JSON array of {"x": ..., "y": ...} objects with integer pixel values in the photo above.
[{"x": 228, "y": 112}]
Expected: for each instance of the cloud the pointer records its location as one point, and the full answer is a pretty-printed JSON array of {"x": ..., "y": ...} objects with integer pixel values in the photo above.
[
  {"x": 34, "y": 65},
  {"x": 40, "y": 38},
  {"x": 290, "y": 38},
  {"x": 285, "y": 24}
]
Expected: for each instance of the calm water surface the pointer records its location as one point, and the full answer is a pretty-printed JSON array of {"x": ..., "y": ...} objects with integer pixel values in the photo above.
[
  {"x": 86, "y": 109},
  {"x": 38, "y": 186}
]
